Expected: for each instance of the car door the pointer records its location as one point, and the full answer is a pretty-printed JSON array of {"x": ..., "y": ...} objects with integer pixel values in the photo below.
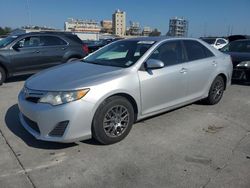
[
  {"x": 53, "y": 50},
  {"x": 165, "y": 87},
  {"x": 201, "y": 64},
  {"x": 26, "y": 55}
]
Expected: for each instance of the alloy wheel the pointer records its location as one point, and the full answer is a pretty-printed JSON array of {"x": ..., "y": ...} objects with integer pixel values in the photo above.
[
  {"x": 116, "y": 121},
  {"x": 217, "y": 91}
]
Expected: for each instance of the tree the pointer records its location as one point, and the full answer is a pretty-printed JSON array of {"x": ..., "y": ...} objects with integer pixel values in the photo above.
[
  {"x": 5, "y": 31},
  {"x": 155, "y": 32}
]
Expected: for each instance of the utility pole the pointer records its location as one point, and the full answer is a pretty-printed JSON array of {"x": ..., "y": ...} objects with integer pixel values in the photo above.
[
  {"x": 28, "y": 12},
  {"x": 205, "y": 29}
]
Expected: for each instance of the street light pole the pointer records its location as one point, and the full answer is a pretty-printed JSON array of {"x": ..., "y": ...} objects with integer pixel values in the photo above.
[{"x": 28, "y": 12}]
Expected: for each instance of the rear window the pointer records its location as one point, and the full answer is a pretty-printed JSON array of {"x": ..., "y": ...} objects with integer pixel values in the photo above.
[
  {"x": 74, "y": 38},
  {"x": 196, "y": 50}
]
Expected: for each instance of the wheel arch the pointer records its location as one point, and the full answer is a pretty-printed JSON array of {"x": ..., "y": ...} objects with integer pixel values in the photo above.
[
  {"x": 5, "y": 69},
  {"x": 127, "y": 96},
  {"x": 130, "y": 99},
  {"x": 224, "y": 79}
]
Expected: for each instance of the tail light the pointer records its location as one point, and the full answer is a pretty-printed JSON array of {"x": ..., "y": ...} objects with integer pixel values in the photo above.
[{"x": 85, "y": 48}]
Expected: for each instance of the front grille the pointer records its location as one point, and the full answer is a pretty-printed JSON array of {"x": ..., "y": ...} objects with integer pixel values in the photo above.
[
  {"x": 33, "y": 95},
  {"x": 59, "y": 130},
  {"x": 33, "y": 99},
  {"x": 33, "y": 125}
]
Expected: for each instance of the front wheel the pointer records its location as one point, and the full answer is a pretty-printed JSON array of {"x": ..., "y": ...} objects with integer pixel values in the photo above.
[
  {"x": 216, "y": 91},
  {"x": 113, "y": 120}
]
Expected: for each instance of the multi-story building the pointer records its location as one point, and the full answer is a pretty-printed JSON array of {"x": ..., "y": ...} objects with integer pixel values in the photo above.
[
  {"x": 146, "y": 31},
  {"x": 119, "y": 23},
  {"x": 76, "y": 25},
  {"x": 178, "y": 27},
  {"x": 107, "y": 26},
  {"x": 134, "y": 29}
]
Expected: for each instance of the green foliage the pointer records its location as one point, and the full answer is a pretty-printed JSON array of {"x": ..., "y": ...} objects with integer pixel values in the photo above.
[{"x": 5, "y": 30}]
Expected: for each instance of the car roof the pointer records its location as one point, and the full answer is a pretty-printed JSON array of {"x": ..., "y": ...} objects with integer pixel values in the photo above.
[
  {"x": 44, "y": 33},
  {"x": 156, "y": 39},
  {"x": 160, "y": 38}
]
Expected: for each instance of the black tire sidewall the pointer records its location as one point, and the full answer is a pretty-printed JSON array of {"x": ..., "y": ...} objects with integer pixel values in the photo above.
[
  {"x": 210, "y": 99},
  {"x": 97, "y": 126},
  {"x": 2, "y": 80}
]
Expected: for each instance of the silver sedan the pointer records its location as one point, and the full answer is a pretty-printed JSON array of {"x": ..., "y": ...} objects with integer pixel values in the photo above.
[{"x": 102, "y": 95}]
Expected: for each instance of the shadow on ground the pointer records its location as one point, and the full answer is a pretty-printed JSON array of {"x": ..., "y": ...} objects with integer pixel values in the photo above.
[
  {"x": 242, "y": 83},
  {"x": 12, "y": 122},
  {"x": 18, "y": 78}
]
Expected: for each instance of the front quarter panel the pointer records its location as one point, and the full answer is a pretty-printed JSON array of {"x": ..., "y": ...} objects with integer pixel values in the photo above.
[{"x": 128, "y": 84}]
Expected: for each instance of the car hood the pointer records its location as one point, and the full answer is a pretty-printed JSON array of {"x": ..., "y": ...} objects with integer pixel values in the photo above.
[
  {"x": 72, "y": 76},
  {"x": 238, "y": 57}
]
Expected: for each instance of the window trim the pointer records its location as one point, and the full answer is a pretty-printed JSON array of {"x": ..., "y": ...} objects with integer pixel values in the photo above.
[{"x": 17, "y": 40}]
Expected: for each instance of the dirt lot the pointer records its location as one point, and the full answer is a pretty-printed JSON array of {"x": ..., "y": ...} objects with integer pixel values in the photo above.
[{"x": 194, "y": 146}]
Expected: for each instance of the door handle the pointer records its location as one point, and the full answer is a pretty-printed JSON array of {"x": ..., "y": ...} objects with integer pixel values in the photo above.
[
  {"x": 214, "y": 63},
  {"x": 37, "y": 51},
  {"x": 183, "y": 70},
  {"x": 63, "y": 48}
]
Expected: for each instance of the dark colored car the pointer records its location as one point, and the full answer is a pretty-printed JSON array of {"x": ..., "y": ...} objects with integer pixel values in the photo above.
[
  {"x": 95, "y": 45},
  {"x": 32, "y": 52},
  {"x": 240, "y": 54},
  {"x": 237, "y": 37}
]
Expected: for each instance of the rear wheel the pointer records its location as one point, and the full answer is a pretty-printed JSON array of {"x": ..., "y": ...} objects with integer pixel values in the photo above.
[
  {"x": 216, "y": 91},
  {"x": 113, "y": 120},
  {"x": 2, "y": 75}
]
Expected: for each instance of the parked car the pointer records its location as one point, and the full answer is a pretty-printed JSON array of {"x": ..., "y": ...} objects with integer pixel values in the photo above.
[
  {"x": 109, "y": 90},
  {"x": 240, "y": 53},
  {"x": 232, "y": 38},
  {"x": 217, "y": 43},
  {"x": 95, "y": 45},
  {"x": 32, "y": 52}
]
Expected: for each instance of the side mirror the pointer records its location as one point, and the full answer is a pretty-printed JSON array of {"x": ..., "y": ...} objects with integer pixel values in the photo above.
[
  {"x": 16, "y": 46},
  {"x": 154, "y": 64}
]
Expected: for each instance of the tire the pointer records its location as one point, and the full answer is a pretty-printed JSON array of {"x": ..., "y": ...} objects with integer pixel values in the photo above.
[
  {"x": 71, "y": 60},
  {"x": 113, "y": 120},
  {"x": 2, "y": 75},
  {"x": 216, "y": 91}
]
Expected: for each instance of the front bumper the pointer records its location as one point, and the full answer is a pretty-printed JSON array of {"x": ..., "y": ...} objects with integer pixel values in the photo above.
[
  {"x": 241, "y": 74},
  {"x": 78, "y": 114}
]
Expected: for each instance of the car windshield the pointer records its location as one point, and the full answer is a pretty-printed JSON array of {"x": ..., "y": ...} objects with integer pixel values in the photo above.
[
  {"x": 6, "y": 41},
  {"x": 209, "y": 41},
  {"x": 120, "y": 54},
  {"x": 237, "y": 46}
]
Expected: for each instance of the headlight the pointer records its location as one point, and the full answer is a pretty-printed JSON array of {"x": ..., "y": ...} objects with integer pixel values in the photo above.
[
  {"x": 57, "y": 98},
  {"x": 244, "y": 64}
]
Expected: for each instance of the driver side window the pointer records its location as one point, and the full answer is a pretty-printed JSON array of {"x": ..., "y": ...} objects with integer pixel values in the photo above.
[
  {"x": 29, "y": 42},
  {"x": 170, "y": 53}
]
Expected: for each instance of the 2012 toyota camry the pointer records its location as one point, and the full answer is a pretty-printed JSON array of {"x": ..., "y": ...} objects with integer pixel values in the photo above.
[{"x": 105, "y": 93}]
